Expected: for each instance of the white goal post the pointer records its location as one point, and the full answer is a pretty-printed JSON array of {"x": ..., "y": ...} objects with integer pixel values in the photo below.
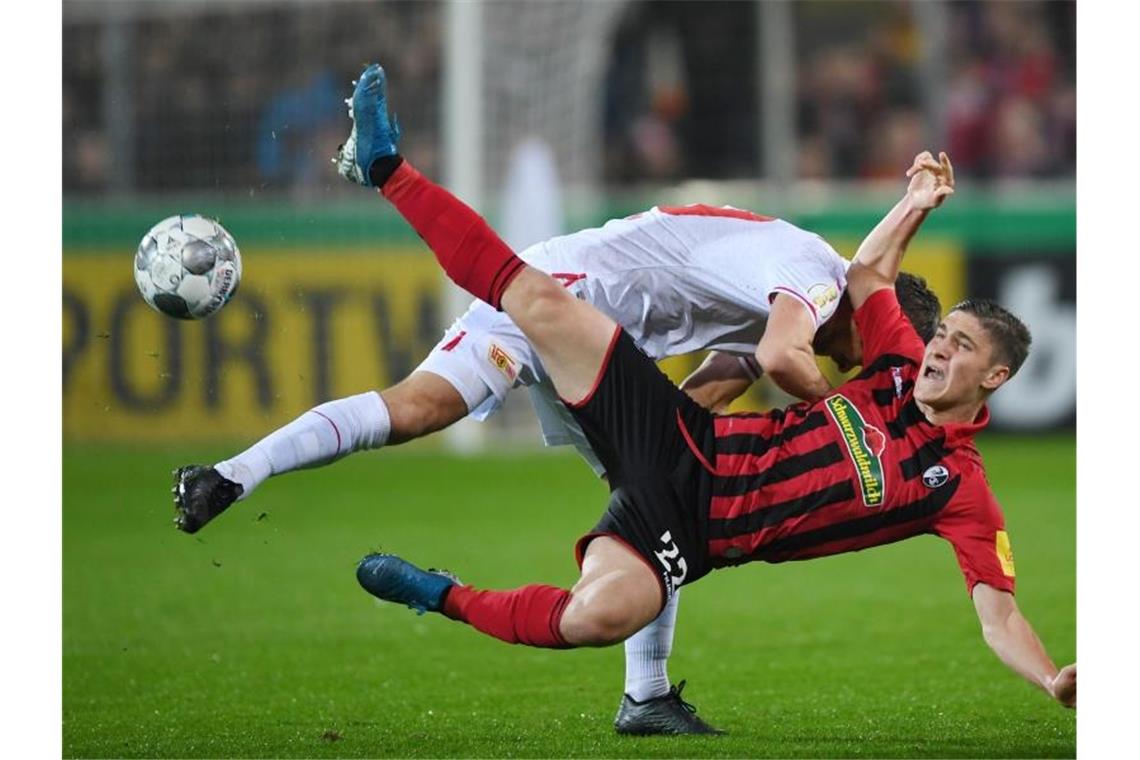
[{"x": 519, "y": 73}]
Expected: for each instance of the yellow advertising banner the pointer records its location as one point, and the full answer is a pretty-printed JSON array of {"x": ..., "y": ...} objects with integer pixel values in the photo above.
[{"x": 304, "y": 327}]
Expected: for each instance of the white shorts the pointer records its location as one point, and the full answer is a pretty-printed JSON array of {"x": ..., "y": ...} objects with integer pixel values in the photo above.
[{"x": 483, "y": 355}]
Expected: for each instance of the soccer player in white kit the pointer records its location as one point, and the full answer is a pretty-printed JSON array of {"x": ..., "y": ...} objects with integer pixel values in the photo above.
[
  {"x": 761, "y": 293},
  {"x": 682, "y": 279}
]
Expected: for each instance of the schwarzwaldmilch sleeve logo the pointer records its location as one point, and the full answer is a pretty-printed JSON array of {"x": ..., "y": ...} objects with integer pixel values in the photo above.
[{"x": 865, "y": 445}]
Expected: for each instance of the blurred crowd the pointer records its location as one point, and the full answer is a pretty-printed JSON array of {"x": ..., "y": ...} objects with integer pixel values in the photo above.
[
  {"x": 250, "y": 97},
  {"x": 246, "y": 97},
  {"x": 1011, "y": 105},
  {"x": 683, "y": 90},
  {"x": 1008, "y": 109}
]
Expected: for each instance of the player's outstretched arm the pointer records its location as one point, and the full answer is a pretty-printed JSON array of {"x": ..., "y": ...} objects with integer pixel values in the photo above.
[
  {"x": 720, "y": 380},
  {"x": 876, "y": 263},
  {"x": 1011, "y": 637}
]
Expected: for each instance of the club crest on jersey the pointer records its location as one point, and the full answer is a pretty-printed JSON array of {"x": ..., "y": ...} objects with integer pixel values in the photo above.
[
  {"x": 865, "y": 446},
  {"x": 503, "y": 361},
  {"x": 825, "y": 298},
  {"x": 935, "y": 476}
]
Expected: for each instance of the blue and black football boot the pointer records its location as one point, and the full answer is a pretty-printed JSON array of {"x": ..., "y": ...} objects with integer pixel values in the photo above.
[
  {"x": 392, "y": 579},
  {"x": 374, "y": 134}
]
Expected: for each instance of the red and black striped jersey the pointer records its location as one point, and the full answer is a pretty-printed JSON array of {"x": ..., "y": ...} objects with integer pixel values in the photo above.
[{"x": 860, "y": 468}]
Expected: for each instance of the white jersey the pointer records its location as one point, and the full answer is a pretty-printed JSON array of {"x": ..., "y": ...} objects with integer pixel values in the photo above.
[
  {"x": 678, "y": 279},
  {"x": 695, "y": 277}
]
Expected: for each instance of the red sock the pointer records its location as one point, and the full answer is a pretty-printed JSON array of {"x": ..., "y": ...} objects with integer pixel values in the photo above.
[
  {"x": 529, "y": 615},
  {"x": 469, "y": 250}
]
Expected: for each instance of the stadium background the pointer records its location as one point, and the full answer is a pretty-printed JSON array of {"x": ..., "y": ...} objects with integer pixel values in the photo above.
[{"x": 548, "y": 117}]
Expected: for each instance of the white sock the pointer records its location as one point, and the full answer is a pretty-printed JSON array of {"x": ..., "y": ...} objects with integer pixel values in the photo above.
[
  {"x": 646, "y": 653},
  {"x": 319, "y": 436}
]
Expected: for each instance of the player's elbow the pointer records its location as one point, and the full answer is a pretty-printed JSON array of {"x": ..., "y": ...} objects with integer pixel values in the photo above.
[
  {"x": 996, "y": 631},
  {"x": 782, "y": 363},
  {"x": 992, "y": 635},
  {"x": 772, "y": 356},
  {"x": 997, "y": 613}
]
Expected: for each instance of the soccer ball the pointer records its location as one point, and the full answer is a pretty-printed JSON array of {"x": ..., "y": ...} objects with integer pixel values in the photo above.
[{"x": 187, "y": 266}]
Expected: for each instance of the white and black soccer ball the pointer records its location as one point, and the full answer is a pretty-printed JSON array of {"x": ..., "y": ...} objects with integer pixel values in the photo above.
[{"x": 187, "y": 266}]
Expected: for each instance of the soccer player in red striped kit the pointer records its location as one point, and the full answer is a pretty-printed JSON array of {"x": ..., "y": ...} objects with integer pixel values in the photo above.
[{"x": 886, "y": 456}]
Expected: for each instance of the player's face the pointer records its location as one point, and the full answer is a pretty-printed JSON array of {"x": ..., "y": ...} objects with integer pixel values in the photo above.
[{"x": 958, "y": 367}]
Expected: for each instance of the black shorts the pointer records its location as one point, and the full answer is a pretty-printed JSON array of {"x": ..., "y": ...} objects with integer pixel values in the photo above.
[{"x": 646, "y": 431}]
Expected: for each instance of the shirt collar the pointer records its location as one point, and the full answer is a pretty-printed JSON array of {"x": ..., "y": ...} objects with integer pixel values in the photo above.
[{"x": 958, "y": 433}]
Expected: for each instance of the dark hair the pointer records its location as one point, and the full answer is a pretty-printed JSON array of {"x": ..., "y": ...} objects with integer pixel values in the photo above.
[
  {"x": 1009, "y": 334},
  {"x": 919, "y": 303}
]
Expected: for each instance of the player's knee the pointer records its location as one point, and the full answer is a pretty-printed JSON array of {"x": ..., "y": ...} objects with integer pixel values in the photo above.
[
  {"x": 597, "y": 623},
  {"x": 422, "y": 404},
  {"x": 594, "y": 633}
]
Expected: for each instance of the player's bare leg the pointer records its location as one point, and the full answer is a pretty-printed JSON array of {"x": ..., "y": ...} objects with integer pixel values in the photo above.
[
  {"x": 421, "y": 404},
  {"x": 616, "y": 596},
  {"x": 571, "y": 337}
]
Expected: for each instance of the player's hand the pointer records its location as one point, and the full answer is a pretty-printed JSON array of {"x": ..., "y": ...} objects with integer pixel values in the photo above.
[
  {"x": 1064, "y": 686},
  {"x": 930, "y": 181}
]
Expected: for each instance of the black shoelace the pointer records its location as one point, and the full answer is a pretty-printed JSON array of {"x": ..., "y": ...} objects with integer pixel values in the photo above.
[{"x": 675, "y": 691}]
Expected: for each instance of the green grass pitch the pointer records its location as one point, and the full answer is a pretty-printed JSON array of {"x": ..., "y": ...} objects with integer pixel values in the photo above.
[{"x": 254, "y": 640}]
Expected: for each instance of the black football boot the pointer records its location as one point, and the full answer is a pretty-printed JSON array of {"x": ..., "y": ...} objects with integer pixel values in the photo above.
[
  {"x": 667, "y": 714},
  {"x": 200, "y": 495}
]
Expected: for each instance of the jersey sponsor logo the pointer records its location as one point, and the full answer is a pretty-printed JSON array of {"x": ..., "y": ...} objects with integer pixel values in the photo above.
[
  {"x": 675, "y": 566},
  {"x": 1004, "y": 553},
  {"x": 825, "y": 297},
  {"x": 865, "y": 446},
  {"x": 935, "y": 476},
  {"x": 503, "y": 361}
]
